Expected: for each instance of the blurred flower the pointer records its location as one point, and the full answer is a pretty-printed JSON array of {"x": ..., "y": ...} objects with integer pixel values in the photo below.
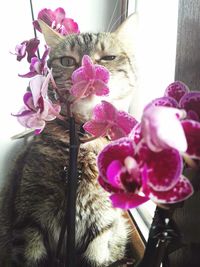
[
  {"x": 89, "y": 79},
  {"x": 37, "y": 66},
  {"x": 28, "y": 48},
  {"x": 108, "y": 121},
  {"x": 56, "y": 20},
  {"x": 161, "y": 128},
  {"x": 38, "y": 108}
]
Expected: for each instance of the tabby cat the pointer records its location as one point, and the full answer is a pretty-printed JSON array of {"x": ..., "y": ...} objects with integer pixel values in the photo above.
[{"x": 33, "y": 198}]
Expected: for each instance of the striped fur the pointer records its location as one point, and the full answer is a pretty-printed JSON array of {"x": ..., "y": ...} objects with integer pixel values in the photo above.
[{"x": 32, "y": 201}]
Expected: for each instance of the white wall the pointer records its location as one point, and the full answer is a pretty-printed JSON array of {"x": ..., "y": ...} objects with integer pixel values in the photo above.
[{"x": 156, "y": 49}]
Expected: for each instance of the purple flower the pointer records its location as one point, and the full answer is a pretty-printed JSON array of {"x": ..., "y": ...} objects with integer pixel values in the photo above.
[
  {"x": 28, "y": 48},
  {"x": 133, "y": 174},
  {"x": 161, "y": 128},
  {"x": 37, "y": 66},
  {"x": 56, "y": 20},
  {"x": 89, "y": 79},
  {"x": 108, "y": 121},
  {"x": 38, "y": 108}
]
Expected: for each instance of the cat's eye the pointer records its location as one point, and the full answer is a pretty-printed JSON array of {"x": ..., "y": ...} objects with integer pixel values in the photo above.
[
  {"x": 108, "y": 58},
  {"x": 68, "y": 61}
]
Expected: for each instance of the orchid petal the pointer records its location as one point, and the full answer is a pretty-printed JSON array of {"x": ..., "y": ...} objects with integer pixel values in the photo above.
[
  {"x": 88, "y": 67},
  {"x": 100, "y": 88},
  {"x": 96, "y": 128},
  {"x": 163, "y": 168},
  {"x": 116, "y": 150},
  {"x": 59, "y": 14},
  {"x": 36, "y": 86},
  {"x": 108, "y": 187},
  {"x": 176, "y": 90},
  {"x": 104, "y": 112},
  {"x": 79, "y": 89},
  {"x": 191, "y": 102},
  {"x": 78, "y": 75},
  {"x": 161, "y": 128},
  {"x": 125, "y": 121},
  {"x": 163, "y": 102},
  {"x": 127, "y": 200},
  {"x": 70, "y": 26},
  {"x": 113, "y": 173},
  {"x": 181, "y": 191},
  {"x": 192, "y": 132},
  {"x": 101, "y": 73}
]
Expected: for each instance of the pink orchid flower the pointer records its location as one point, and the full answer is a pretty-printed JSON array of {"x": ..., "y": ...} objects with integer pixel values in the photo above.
[
  {"x": 37, "y": 66},
  {"x": 28, "y": 48},
  {"x": 89, "y": 79},
  {"x": 56, "y": 20},
  {"x": 133, "y": 177},
  {"x": 108, "y": 121},
  {"x": 161, "y": 128},
  {"x": 38, "y": 108}
]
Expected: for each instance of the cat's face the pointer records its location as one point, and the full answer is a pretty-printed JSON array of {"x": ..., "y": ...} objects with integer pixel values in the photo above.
[{"x": 107, "y": 49}]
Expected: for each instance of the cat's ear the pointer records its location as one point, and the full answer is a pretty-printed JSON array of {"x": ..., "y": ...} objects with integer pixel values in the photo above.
[
  {"x": 127, "y": 32},
  {"x": 51, "y": 37}
]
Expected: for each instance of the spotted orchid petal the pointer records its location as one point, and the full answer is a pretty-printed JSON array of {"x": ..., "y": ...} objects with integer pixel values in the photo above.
[
  {"x": 176, "y": 90},
  {"x": 164, "y": 101},
  {"x": 179, "y": 192},
  {"x": 163, "y": 168},
  {"x": 70, "y": 26},
  {"x": 192, "y": 133},
  {"x": 191, "y": 103},
  {"x": 161, "y": 128},
  {"x": 127, "y": 200},
  {"x": 104, "y": 111},
  {"x": 96, "y": 128}
]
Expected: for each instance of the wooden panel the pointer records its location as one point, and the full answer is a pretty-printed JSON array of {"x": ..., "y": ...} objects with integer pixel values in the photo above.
[{"x": 188, "y": 44}]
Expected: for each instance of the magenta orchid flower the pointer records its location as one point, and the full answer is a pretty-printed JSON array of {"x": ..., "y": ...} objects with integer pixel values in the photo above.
[
  {"x": 133, "y": 175},
  {"x": 108, "y": 121},
  {"x": 28, "y": 48},
  {"x": 38, "y": 108},
  {"x": 56, "y": 20},
  {"x": 89, "y": 79},
  {"x": 37, "y": 66},
  {"x": 161, "y": 128}
]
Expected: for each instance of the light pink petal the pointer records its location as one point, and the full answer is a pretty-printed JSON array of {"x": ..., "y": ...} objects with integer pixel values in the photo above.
[
  {"x": 192, "y": 132},
  {"x": 101, "y": 73},
  {"x": 79, "y": 89},
  {"x": 47, "y": 15},
  {"x": 89, "y": 68},
  {"x": 191, "y": 102},
  {"x": 163, "y": 168},
  {"x": 104, "y": 112},
  {"x": 36, "y": 86},
  {"x": 113, "y": 173},
  {"x": 127, "y": 200},
  {"x": 59, "y": 14},
  {"x": 28, "y": 101},
  {"x": 100, "y": 88},
  {"x": 116, "y": 150},
  {"x": 176, "y": 90},
  {"x": 161, "y": 128},
  {"x": 70, "y": 26},
  {"x": 96, "y": 128},
  {"x": 181, "y": 191}
]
